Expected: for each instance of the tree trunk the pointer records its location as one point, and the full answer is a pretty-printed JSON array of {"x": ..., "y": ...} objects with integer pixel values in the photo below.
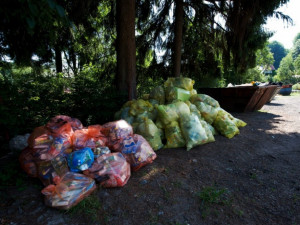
[
  {"x": 126, "y": 50},
  {"x": 73, "y": 59},
  {"x": 58, "y": 59},
  {"x": 179, "y": 13}
]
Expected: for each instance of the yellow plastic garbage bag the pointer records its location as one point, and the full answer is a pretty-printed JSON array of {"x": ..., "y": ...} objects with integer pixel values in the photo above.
[
  {"x": 192, "y": 130},
  {"x": 237, "y": 122},
  {"x": 180, "y": 82},
  {"x": 174, "y": 136},
  {"x": 158, "y": 94},
  {"x": 194, "y": 109},
  {"x": 212, "y": 129},
  {"x": 125, "y": 115},
  {"x": 206, "y": 99},
  {"x": 193, "y": 92},
  {"x": 208, "y": 112},
  {"x": 209, "y": 134},
  {"x": 172, "y": 112},
  {"x": 225, "y": 125},
  {"x": 175, "y": 93},
  {"x": 139, "y": 106},
  {"x": 150, "y": 132}
]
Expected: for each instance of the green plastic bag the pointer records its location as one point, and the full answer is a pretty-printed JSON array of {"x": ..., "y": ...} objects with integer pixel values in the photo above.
[
  {"x": 172, "y": 112},
  {"x": 180, "y": 82},
  {"x": 158, "y": 93},
  {"x": 151, "y": 133},
  {"x": 225, "y": 125},
  {"x": 210, "y": 136},
  {"x": 206, "y": 99},
  {"x": 208, "y": 112},
  {"x": 174, "y": 136},
  {"x": 192, "y": 130},
  {"x": 174, "y": 93}
]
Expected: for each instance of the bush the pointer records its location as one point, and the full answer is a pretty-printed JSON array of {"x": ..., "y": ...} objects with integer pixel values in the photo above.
[
  {"x": 296, "y": 86},
  {"x": 29, "y": 98}
]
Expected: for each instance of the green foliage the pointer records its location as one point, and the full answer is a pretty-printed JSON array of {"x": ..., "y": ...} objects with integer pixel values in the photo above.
[
  {"x": 296, "y": 49},
  {"x": 296, "y": 86},
  {"x": 30, "y": 99},
  {"x": 286, "y": 70},
  {"x": 254, "y": 74},
  {"x": 279, "y": 52}
]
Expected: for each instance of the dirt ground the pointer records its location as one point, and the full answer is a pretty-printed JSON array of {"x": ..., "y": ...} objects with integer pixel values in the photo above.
[{"x": 252, "y": 178}]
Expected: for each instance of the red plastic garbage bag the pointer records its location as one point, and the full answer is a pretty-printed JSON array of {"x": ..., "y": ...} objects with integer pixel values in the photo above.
[
  {"x": 91, "y": 137},
  {"x": 137, "y": 151},
  {"x": 68, "y": 191},
  {"x": 110, "y": 170},
  {"x": 117, "y": 131},
  {"x": 62, "y": 124},
  {"x": 27, "y": 162}
]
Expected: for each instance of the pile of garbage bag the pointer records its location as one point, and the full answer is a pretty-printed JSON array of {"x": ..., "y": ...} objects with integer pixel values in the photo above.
[
  {"x": 70, "y": 159},
  {"x": 175, "y": 115}
]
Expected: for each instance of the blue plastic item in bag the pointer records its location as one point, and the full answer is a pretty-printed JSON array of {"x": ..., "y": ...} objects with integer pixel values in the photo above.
[{"x": 81, "y": 159}]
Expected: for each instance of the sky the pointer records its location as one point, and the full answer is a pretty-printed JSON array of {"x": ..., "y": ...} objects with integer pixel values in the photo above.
[{"x": 285, "y": 33}]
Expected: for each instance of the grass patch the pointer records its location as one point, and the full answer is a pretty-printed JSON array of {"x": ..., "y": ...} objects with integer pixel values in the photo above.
[
  {"x": 211, "y": 196},
  {"x": 90, "y": 208},
  {"x": 295, "y": 94}
]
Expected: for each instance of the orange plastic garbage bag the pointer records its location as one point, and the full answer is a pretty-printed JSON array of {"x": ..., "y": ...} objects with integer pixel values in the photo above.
[
  {"x": 94, "y": 136},
  {"x": 137, "y": 151},
  {"x": 116, "y": 132},
  {"x": 27, "y": 162},
  {"x": 68, "y": 191},
  {"x": 110, "y": 170}
]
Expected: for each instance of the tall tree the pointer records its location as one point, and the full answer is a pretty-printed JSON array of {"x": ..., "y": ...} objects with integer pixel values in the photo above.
[
  {"x": 177, "y": 45},
  {"x": 126, "y": 49},
  {"x": 279, "y": 52}
]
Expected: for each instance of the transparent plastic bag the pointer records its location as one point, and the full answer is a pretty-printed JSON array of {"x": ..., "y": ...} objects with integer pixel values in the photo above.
[
  {"x": 181, "y": 82},
  {"x": 206, "y": 99},
  {"x": 137, "y": 152},
  {"x": 225, "y": 125},
  {"x": 174, "y": 136},
  {"x": 150, "y": 132},
  {"x": 110, "y": 170},
  {"x": 116, "y": 132},
  {"x": 192, "y": 131},
  {"x": 208, "y": 112},
  {"x": 94, "y": 136},
  {"x": 158, "y": 94},
  {"x": 68, "y": 191}
]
